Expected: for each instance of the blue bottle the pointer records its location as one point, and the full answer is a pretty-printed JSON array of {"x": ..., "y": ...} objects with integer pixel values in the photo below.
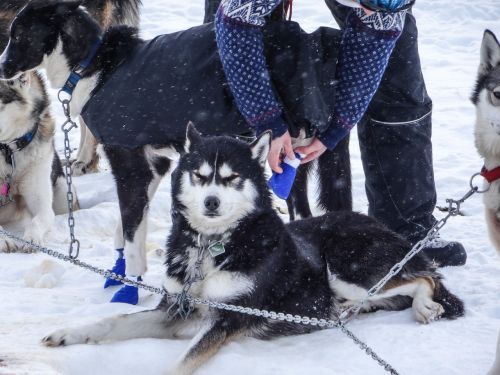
[{"x": 281, "y": 183}]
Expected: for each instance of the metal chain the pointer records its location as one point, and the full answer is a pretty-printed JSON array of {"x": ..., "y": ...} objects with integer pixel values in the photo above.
[
  {"x": 69, "y": 124},
  {"x": 453, "y": 210},
  {"x": 295, "y": 319}
]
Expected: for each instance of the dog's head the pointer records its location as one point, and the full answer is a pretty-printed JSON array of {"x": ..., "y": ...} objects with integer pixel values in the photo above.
[
  {"x": 219, "y": 181},
  {"x": 38, "y": 28},
  {"x": 486, "y": 95},
  {"x": 21, "y": 102}
]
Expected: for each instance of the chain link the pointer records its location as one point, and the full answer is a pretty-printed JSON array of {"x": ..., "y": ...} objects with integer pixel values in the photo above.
[{"x": 69, "y": 124}]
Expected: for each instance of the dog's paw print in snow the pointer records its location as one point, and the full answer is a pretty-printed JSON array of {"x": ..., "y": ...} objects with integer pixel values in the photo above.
[{"x": 46, "y": 275}]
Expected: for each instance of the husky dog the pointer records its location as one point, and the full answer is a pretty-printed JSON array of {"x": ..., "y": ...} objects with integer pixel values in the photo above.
[
  {"x": 33, "y": 184},
  {"x": 229, "y": 244},
  {"x": 58, "y": 35},
  {"x": 107, "y": 13},
  {"x": 486, "y": 98}
]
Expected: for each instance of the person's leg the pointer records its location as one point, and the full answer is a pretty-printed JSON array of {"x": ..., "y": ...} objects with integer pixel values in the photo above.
[
  {"x": 210, "y": 10},
  {"x": 396, "y": 148}
]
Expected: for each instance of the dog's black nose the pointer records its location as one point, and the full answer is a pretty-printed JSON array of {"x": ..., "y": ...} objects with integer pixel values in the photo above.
[{"x": 212, "y": 203}]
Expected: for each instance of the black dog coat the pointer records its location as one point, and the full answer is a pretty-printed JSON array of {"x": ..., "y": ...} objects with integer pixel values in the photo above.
[{"x": 176, "y": 78}]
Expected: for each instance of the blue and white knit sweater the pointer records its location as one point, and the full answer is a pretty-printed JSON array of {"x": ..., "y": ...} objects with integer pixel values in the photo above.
[{"x": 367, "y": 43}]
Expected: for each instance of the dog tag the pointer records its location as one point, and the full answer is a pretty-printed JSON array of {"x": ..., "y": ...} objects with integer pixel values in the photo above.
[{"x": 216, "y": 249}]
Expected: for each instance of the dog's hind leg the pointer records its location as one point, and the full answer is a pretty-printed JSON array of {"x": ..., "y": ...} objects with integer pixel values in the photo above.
[
  {"x": 334, "y": 174},
  {"x": 205, "y": 345},
  {"x": 87, "y": 159},
  {"x": 421, "y": 290},
  {"x": 144, "y": 324}
]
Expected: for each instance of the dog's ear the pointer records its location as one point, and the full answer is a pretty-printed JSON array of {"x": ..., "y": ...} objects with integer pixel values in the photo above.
[
  {"x": 490, "y": 52},
  {"x": 260, "y": 148},
  {"x": 193, "y": 138}
]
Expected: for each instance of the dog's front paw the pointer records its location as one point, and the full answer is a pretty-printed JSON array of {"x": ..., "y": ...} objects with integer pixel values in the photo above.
[
  {"x": 64, "y": 337},
  {"x": 427, "y": 311},
  {"x": 8, "y": 245}
]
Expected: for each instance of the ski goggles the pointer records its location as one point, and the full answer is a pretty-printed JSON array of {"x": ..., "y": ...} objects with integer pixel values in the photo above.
[{"x": 386, "y": 6}]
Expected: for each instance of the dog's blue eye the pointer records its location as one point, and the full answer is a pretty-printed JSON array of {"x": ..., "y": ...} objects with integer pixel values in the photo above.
[{"x": 496, "y": 94}]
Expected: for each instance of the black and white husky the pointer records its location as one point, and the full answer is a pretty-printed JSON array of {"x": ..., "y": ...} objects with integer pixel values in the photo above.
[
  {"x": 225, "y": 223},
  {"x": 56, "y": 36},
  {"x": 486, "y": 98},
  {"x": 33, "y": 187}
]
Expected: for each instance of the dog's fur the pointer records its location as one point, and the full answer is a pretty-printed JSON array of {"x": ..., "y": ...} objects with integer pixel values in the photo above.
[
  {"x": 313, "y": 267},
  {"x": 38, "y": 185},
  {"x": 486, "y": 98},
  {"x": 107, "y": 13},
  {"x": 57, "y": 35}
]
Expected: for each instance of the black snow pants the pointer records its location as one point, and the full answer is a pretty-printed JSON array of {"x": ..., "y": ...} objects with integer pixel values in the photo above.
[{"x": 395, "y": 137}]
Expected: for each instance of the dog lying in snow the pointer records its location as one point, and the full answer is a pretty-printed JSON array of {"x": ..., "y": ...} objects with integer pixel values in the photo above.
[{"x": 224, "y": 221}]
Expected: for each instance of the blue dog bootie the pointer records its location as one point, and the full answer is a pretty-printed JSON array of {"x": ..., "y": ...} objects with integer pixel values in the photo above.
[
  {"x": 118, "y": 268},
  {"x": 128, "y": 294},
  {"x": 281, "y": 183}
]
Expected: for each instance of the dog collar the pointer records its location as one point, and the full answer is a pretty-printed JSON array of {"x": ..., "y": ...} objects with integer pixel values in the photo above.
[
  {"x": 492, "y": 175},
  {"x": 77, "y": 72},
  {"x": 8, "y": 149}
]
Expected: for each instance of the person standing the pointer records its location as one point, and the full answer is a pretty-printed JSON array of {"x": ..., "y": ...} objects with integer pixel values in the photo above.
[{"x": 380, "y": 88}]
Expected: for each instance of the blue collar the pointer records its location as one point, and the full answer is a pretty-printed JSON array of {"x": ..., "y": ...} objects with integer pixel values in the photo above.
[
  {"x": 78, "y": 71},
  {"x": 8, "y": 149}
]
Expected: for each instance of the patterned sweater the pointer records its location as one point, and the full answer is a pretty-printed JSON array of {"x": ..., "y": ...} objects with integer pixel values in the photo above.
[{"x": 367, "y": 43}]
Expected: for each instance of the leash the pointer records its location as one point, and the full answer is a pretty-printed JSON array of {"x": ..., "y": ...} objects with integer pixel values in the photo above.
[{"x": 69, "y": 86}]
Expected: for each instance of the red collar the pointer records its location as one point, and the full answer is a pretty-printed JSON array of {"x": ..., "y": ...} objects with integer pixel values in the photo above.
[{"x": 492, "y": 175}]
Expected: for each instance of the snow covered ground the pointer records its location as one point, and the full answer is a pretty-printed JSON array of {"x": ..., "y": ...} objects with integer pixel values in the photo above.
[{"x": 450, "y": 36}]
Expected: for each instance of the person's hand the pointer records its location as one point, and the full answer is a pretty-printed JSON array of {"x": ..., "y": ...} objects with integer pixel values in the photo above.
[
  {"x": 311, "y": 152},
  {"x": 283, "y": 143}
]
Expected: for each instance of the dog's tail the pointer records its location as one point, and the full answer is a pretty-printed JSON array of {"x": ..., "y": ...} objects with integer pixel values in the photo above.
[
  {"x": 493, "y": 224},
  {"x": 453, "y": 306}
]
